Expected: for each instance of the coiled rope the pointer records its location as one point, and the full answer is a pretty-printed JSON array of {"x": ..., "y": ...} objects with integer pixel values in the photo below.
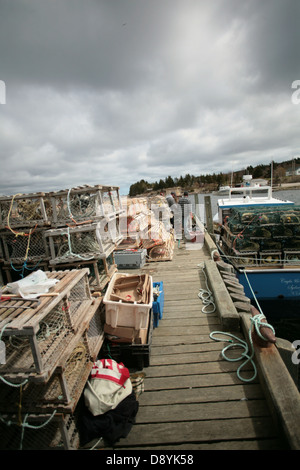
[
  {"x": 256, "y": 322},
  {"x": 206, "y": 295}
]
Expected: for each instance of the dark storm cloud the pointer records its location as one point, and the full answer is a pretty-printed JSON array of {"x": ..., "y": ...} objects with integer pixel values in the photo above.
[{"x": 111, "y": 92}]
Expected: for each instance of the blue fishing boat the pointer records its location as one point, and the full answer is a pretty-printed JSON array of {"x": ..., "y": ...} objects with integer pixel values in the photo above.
[{"x": 260, "y": 236}]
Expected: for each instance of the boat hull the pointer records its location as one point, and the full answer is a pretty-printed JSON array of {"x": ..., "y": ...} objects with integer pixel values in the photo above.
[{"x": 272, "y": 284}]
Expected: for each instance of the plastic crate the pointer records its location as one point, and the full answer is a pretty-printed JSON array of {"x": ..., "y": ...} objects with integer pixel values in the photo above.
[
  {"x": 133, "y": 356},
  {"x": 158, "y": 303},
  {"x": 130, "y": 259},
  {"x": 125, "y": 313}
]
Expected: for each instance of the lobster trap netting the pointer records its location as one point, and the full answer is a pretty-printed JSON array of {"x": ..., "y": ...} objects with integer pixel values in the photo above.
[
  {"x": 95, "y": 331},
  {"x": 111, "y": 201},
  {"x": 25, "y": 210},
  {"x": 84, "y": 204},
  {"x": 35, "y": 342},
  {"x": 101, "y": 272},
  {"x": 60, "y": 392},
  {"x": 83, "y": 242},
  {"x": 39, "y": 432},
  {"x": 27, "y": 246},
  {"x": 271, "y": 235},
  {"x": 76, "y": 207},
  {"x": 51, "y": 339}
]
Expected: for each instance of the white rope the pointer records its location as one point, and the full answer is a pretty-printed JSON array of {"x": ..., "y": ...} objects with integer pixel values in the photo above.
[
  {"x": 252, "y": 291},
  {"x": 206, "y": 295}
]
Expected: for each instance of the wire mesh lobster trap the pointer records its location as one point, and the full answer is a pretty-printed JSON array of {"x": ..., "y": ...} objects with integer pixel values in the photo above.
[
  {"x": 25, "y": 210},
  {"x": 269, "y": 235},
  {"x": 158, "y": 242},
  {"x": 83, "y": 242},
  {"x": 63, "y": 390},
  {"x": 100, "y": 271},
  {"x": 43, "y": 415},
  {"x": 35, "y": 336},
  {"x": 29, "y": 246},
  {"x": 85, "y": 204},
  {"x": 54, "y": 431}
]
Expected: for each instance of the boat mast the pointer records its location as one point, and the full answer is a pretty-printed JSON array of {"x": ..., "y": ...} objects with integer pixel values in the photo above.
[{"x": 271, "y": 184}]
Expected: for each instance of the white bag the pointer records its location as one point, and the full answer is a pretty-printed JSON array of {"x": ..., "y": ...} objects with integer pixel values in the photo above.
[
  {"x": 32, "y": 285},
  {"x": 109, "y": 384}
]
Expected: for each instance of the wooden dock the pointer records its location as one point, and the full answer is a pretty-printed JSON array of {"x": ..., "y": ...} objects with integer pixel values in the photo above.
[{"x": 193, "y": 398}]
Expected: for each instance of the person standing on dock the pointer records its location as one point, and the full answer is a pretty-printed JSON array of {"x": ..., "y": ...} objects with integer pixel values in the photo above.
[
  {"x": 186, "y": 210},
  {"x": 172, "y": 203}
]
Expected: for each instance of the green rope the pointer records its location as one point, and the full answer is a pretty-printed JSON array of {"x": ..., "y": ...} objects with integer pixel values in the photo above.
[
  {"x": 240, "y": 343},
  {"x": 257, "y": 322}
]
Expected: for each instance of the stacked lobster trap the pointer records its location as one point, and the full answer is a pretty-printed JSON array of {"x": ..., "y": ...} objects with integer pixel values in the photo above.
[
  {"x": 23, "y": 221},
  {"x": 61, "y": 229},
  {"x": 50, "y": 348},
  {"x": 263, "y": 237},
  {"x": 147, "y": 226}
]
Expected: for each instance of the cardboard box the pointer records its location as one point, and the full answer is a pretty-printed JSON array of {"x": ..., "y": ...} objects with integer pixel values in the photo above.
[{"x": 125, "y": 334}]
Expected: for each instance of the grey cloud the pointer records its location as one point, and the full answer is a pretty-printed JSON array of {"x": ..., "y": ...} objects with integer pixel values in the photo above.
[{"x": 117, "y": 91}]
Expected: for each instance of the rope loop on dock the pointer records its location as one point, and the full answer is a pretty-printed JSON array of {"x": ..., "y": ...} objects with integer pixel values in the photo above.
[
  {"x": 257, "y": 322},
  {"x": 206, "y": 295},
  {"x": 245, "y": 355}
]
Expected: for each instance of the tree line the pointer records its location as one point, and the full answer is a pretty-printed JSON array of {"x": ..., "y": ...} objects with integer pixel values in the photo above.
[{"x": 191, "y": 181}]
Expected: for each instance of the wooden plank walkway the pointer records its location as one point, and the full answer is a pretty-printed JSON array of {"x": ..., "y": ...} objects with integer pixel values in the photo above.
[{"x": 193, "y": 398}]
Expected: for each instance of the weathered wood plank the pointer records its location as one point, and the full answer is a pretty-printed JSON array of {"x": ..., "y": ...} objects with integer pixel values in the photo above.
[
  {"x": 186, "y": 348},
  {"x": 193, "y": 398},
  {"x": 196, "y": 357},
  {"x": 211, "y": 377},
  {"x": 200, "y": 431},
  {"x": 202, "y": 411},
  {"x": 258, "y": 444},
  {"x": 182, "y": 339},
  {"x": 233, "y": 393}
]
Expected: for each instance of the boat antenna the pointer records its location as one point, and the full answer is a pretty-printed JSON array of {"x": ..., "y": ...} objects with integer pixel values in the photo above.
[{"x": 271, "y": 175}]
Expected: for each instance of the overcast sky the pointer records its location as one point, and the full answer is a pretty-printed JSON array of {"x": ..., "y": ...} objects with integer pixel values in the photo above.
[{"x": 114, "y": 91}]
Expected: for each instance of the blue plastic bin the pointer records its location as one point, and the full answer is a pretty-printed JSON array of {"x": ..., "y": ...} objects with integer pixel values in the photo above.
[{"x": 158, "y": 304}]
